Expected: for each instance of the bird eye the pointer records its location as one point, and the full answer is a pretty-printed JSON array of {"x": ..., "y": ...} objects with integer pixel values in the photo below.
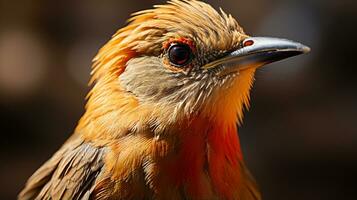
[{"x": 180, "y": 54}]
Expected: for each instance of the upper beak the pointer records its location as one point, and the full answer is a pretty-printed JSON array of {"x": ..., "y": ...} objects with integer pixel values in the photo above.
[{"x": 256, "y": 52}]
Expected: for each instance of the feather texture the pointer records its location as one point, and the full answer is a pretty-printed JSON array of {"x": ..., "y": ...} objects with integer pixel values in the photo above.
[
  {"x": 150, "y": 130},
  {"x": 69, "y": 174}
]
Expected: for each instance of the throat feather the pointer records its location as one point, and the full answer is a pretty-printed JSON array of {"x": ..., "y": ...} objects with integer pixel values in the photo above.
[{"x": 207, "y": 162}]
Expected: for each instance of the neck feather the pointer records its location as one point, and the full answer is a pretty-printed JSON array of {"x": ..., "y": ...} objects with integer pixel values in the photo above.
[{"x": 208, "y": 161}]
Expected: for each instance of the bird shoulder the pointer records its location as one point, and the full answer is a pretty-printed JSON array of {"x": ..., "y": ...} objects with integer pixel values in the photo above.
[{"x": 69, "y": 174}]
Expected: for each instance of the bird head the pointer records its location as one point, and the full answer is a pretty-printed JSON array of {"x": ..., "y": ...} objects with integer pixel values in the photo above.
[{"x": 176, "y": 62}]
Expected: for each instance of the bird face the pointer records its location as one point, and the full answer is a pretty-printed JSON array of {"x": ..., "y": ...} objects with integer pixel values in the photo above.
[{"x": 186, "y": 59}]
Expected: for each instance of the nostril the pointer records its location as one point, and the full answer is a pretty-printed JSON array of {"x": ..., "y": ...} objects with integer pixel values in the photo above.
[{"x": 248, "y": 43}]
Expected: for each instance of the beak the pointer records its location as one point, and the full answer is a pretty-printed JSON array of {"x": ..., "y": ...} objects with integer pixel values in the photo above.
[{"x": 256, "y": 52}]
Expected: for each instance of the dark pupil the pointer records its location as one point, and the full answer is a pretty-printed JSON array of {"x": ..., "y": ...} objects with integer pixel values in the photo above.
[{"x": 179, "y": 54}]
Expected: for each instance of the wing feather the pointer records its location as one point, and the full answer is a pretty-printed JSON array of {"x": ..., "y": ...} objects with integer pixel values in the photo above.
[{"x": 69, "y": 174}]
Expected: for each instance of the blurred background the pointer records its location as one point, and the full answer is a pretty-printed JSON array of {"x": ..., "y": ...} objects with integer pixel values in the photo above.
[{"x": 299, "y": 138}]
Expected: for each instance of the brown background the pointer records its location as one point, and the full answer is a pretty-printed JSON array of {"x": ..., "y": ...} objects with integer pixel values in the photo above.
[{"x": 299, "y": 137}]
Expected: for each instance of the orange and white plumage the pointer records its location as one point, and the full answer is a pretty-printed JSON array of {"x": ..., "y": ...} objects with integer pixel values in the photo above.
[{"x": 155, "y": 128}]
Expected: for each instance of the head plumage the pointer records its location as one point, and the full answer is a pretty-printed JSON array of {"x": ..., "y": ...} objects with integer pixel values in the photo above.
[{"x": 148, "y": 30}]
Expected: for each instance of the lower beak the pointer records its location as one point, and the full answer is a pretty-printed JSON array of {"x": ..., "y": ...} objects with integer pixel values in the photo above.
[{"x": 256, "y": 52}]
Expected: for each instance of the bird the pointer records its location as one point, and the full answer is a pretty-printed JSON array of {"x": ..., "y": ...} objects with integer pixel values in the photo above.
[{"x": 161, "y": 120}]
